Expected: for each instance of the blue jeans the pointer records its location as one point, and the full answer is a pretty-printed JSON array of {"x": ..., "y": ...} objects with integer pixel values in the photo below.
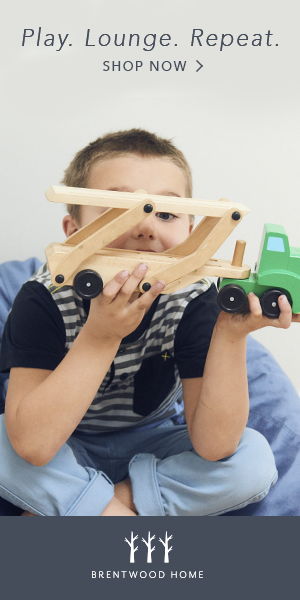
[{"x": 168, "y": 478}]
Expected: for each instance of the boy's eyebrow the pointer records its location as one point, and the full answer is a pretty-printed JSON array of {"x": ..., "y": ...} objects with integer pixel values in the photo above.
[
  {"x": 125, "y": 189},
  {"x": 169, "y": 194}
]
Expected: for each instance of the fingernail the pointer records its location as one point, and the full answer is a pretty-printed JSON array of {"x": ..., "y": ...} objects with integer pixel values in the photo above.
[
  {"x": 160, "y": 285},
  {"x": 283, "y": 298},
  {"x": 250, "y": 294},
  {"x": 143, "y": 267},
  {"x": 125, "y": 273}
]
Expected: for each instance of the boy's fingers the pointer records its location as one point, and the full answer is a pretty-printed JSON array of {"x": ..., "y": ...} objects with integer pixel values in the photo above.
[
  {"x": 254, "y": 305},
  {"x": 145, "y": 301},
  {"x": 122, "y": 286},
  {"x": 112, "y": 288},
  {"x": 132, "y": 282},
  {"x": 285, "y": 317}
]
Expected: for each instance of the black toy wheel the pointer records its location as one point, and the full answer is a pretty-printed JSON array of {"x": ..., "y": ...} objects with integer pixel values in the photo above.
[
  {"x": 269, "y": 303},
  {"x": 88, "y": 284},
  {"x": 232, "y": 298}
]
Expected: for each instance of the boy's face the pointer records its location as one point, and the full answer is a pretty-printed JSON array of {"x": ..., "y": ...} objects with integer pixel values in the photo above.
[{"x": 129, "y": 173}]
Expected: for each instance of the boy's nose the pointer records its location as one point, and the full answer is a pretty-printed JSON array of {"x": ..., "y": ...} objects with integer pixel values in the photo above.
[{"x": 145, "y": 229}]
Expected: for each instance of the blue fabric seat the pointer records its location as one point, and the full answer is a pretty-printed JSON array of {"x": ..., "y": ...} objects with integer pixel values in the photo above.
[
  {"x": 275, "y": 412},
  {"x": 12, "y": 276},
  {"x": 274, "y": 408}
]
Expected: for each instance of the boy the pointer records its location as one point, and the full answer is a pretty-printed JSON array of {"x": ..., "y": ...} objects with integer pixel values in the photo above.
[{"x": 93, "y": 413}]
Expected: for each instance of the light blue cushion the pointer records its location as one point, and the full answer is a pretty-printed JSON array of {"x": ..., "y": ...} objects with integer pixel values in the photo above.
[
  {"x": 12, "y": 276},
  {"x": 275, "y": 412}
]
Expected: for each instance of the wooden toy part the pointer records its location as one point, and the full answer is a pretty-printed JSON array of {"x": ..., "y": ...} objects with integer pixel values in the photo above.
[
  {"x": 104, "y": 219},
  {"x": 89, "y": 241},
  {"x": 239, "y": 252},
  {"x": 187, "y": 206},
  {"x": 182, "y": 265},
  {"x": 198, "y": 248},
  {"x": 213, "y": 268}
]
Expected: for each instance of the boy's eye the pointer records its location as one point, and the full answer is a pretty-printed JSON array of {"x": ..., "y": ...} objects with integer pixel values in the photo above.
[{"x": 164, "y": 216}]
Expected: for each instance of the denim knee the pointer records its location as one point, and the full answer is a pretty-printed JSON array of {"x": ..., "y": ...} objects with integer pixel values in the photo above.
[
  {"x": 254, "y": 465},
  {"x": 5, "y": 447},
  {"x": 188, "y": 485},
  {"x": 62, "y": 487}
]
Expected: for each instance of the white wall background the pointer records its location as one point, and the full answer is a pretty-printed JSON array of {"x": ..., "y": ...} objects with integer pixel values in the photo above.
[{"x": 237, "y": 120}]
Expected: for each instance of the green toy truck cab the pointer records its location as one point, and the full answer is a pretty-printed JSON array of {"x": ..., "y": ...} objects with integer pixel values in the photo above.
[{"x": 276, "y": 272}]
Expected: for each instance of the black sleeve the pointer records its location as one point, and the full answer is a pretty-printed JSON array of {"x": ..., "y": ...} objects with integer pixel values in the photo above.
[
  {"x": 34, "y": 334},
  {"x": 194, "y": 332}
]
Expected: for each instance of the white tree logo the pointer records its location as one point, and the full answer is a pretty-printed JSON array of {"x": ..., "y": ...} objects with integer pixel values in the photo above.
[
  {"x": 166, "y": 545},
  {"x": 151, "y": 548},
  {"x": 132, "y": 548}
]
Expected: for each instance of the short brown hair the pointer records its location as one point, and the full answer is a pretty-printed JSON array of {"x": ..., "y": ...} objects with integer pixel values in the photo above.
[{"x": 132, "y": 141}]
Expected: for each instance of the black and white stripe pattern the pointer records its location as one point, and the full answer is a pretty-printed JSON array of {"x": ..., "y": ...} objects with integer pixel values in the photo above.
[{"x": 112, "y": 407}]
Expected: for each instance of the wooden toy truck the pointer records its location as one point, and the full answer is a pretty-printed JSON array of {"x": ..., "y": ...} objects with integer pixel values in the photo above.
[
  {"x": 84, "y": 261},
  {"x": 276, "y": 272}
]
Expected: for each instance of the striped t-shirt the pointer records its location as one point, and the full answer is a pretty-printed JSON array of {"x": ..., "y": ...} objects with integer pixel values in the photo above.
[{"x": 143, "y": 384}]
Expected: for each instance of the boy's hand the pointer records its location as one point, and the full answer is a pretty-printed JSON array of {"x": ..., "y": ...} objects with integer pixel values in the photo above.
[
  {"x": 112, "y": 317},
  {"x": 240, "y": 324}
]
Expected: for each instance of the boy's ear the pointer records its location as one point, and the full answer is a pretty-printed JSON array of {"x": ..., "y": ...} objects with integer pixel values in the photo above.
[{"x": 69, "y": 225}]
